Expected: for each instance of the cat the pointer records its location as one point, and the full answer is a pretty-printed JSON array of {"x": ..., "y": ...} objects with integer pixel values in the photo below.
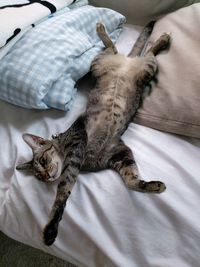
[{"x": 93, "y": 142}]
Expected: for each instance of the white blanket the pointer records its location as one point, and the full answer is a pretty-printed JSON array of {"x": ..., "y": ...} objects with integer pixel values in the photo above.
[
  {"x": 104, "y": 223},
  {"x": 19, "y": 15}
]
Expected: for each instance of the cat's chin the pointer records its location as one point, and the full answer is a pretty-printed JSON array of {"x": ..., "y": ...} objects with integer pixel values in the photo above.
[
  {"x": 55, "y": 175},
  {"x": 51, "y": 180}
]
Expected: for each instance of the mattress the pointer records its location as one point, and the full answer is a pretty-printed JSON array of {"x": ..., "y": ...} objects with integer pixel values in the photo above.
[{"x": 104, "y": 223}]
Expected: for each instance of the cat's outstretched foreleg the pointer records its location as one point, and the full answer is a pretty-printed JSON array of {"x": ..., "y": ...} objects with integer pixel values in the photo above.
[
  {"x": 51, "y": 229},
  {"x": 122, "y": 161},
  {"x": 64, "y": 189},
  {"x": 71, "y": 168}
]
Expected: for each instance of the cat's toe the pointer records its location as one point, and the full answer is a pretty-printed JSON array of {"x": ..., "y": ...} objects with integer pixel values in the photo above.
[{"x": 49, "y": 234}]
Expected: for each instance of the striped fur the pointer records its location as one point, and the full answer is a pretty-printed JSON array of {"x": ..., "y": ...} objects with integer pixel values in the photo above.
[{"x": 94, "y": 142}]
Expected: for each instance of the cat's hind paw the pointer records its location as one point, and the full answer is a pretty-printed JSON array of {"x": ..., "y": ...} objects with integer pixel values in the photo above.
[
  {"x": 100, "y": 28},
  {"x": 152, "y": 186},
  {"x": 165, "y": 40}
]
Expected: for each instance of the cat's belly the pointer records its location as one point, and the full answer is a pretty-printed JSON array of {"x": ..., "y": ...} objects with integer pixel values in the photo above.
[
  {"x": 108, "y": 111},
  {"x": 107, "y": 123}
]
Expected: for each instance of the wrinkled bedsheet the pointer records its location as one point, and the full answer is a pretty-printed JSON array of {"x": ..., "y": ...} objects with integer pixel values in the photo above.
[{"x": 104, "y": 223}]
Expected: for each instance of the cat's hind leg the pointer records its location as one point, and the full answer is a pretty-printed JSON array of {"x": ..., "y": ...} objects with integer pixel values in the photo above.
[
  {"x": 122, "y": 161},
  {"x": 160, "y": 44},
  {"x": 109, "y": 45},
  {"x": 149, "y": 63}
]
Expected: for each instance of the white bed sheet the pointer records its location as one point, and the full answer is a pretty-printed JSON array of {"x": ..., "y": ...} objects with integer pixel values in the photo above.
[{"x": 104, "y": 223}]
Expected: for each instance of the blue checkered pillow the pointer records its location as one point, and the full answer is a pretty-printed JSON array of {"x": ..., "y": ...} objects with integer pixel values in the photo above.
[{"x": 42, "y": 68}]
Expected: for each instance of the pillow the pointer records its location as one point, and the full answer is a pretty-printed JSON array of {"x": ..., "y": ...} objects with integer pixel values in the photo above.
[
  {"x": 174, "y": 102},
  {"x": 41, "y": 69},
  {"x": 141, "y": 12}
]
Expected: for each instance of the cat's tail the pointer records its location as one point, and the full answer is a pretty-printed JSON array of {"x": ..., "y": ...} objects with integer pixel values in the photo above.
[{"x": 142, "y": 40}]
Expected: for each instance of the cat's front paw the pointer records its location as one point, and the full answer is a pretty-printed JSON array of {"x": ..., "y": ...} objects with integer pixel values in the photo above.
[{"x": 50, "y": 233}]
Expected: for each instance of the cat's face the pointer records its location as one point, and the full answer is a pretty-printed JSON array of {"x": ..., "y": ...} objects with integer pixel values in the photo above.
[{"x": 46, "y": 164}]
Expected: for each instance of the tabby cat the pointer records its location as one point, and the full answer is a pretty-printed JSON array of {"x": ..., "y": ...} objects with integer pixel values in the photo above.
[{"x": 93, "y": 142}]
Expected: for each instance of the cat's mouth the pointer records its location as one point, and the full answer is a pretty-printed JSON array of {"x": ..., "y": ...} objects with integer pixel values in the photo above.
[
  {"x": 50, "y": 175},
  {"x": 54, "y": 175}
]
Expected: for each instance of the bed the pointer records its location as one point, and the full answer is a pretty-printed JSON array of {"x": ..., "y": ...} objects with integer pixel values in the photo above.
[{"x": 104, "y": 223}]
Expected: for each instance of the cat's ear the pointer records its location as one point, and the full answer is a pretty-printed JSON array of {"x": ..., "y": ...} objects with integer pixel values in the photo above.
[
  {"x": 25, "y": 166},
  {"x": 33, "y": 141}
]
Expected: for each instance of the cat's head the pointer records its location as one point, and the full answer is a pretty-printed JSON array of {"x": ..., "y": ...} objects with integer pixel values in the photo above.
[{"x": 46, "y": 164}]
